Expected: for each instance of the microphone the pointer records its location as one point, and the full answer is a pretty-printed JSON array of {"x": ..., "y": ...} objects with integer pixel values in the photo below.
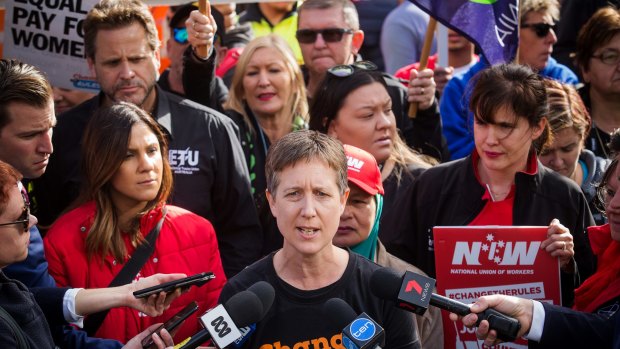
[
  {"x": 413, "y": 292},
  {"x": 222, "y": 323},
  {"x": 266, "y": 294},
  {"x": 359, "y": 332}
]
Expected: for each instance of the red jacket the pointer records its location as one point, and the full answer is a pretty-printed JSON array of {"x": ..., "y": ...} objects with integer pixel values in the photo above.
[
  {"x": 186, "y": 244},
  {"x": 603, "y": 287}
]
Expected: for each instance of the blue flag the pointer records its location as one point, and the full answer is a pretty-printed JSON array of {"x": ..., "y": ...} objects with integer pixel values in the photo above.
[{"x": 490, "y": 24}]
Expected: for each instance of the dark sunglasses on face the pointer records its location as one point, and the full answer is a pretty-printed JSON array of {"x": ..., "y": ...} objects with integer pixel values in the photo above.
[
  {"x": 24, "y": 218},
  {"x": 180, "y": 35},
  {"x": 541, "y": 29},
  {"x": 308, "y": 36},
  {"x": 345, "y": 70}
]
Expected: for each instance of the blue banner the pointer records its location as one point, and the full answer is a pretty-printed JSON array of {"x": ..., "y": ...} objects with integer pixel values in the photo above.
[{"x": 490, "y": 24}]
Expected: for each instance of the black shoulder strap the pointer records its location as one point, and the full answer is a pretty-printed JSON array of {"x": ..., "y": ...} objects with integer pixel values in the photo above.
[
  {"x": 128, "y": 273},
  {"x": 20, "y": 337}
]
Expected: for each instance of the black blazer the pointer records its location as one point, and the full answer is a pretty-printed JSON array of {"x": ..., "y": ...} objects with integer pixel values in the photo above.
[{"x": 567, "y": 328}]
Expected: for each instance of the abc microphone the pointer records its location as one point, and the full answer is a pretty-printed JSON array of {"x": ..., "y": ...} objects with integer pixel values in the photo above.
[
  {"x": 413, "y": 292},
  {"x": 359, "y": 332},
  {"x": 222, "y": 323}
]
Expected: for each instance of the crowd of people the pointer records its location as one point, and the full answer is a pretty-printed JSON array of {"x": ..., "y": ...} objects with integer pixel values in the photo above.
[{"x": 275, "y": 148}]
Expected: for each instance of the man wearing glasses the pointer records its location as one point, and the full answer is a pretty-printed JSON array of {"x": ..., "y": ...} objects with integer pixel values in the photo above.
[
  {"x": 329, "y": 34},
  {"x": 536, "y": 39}
]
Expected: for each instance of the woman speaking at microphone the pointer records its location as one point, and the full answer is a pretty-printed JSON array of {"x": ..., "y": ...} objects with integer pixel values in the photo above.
[
  {"x": 502, "y": 182},
  {"x": 307, "y": 192}
]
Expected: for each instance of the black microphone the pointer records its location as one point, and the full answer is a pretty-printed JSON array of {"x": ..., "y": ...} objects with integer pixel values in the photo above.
[
  {"x": 359, "y": 332},
  {"x": 222, "y": 323},
  {"x": 265, "y": 293},
  {"x": 414, "y": 292}
]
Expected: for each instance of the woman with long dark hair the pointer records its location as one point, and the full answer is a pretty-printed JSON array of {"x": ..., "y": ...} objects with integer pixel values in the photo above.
[
  {"x": 353, "y": 106},
  {"x": 127, "y": 180}
]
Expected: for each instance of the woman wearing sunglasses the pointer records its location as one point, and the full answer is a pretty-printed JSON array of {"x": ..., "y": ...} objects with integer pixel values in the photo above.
[
  {"x": 267, "y": 100},
  {"x": 536, "y": 40},
  {"x": 352, "y": 105},
  {"x": 502, "y": 182},
  {"x": 14, "y": 247},
  {"x": 598, "y": 58},
  {"x": 122, "y": 206}
]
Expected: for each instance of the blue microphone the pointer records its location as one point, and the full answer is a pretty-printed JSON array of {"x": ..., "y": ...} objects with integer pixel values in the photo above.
[{"x": 359, "y": 331}]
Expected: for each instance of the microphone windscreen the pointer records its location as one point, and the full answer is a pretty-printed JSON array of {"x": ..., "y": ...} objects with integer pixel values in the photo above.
[
  {"x": 339, "y": 313},
  {"x": 385, "y": 283},
  {"x": 244, "y": 308},
  {"x": 265, "y": 293}
]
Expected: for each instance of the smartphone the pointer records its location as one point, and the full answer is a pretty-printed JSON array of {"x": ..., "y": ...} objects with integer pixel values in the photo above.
[
  {"x": 172, "y": 323},
  {"x": 198, "y": 280}
]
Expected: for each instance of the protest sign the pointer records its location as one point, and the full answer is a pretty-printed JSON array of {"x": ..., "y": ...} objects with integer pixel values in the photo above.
[
  {"x": 48, "y": 34},
  {"x": 474, "y": 261}
]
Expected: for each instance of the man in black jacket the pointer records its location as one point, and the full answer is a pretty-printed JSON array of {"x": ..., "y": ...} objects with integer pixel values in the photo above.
[
  {"x": 329, "y": 34},
  {"x": 546, "y": 325},
  {"x": 211, "y": 178}
]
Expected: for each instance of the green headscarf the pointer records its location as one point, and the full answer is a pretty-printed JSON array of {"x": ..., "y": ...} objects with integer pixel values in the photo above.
[{"x": 368, "y": 247}]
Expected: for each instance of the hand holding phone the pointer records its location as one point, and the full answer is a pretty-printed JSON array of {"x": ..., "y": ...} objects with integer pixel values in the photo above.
[
  {"x": 172, "y": 323},
  {"x": 198, "y": 280}
]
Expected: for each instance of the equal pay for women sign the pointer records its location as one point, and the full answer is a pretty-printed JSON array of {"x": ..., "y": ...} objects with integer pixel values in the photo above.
[
  {"x": 484, "y": 260},
  {"x": 48, "y": 34}
]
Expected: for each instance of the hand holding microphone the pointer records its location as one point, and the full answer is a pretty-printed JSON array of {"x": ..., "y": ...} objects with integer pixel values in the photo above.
[
  {"x": 520, "y": 308},
  {"x": 413, "y": 292}
]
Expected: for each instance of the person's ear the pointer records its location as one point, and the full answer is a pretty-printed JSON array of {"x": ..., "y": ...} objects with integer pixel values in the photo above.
[
  {"x": 91, "y": 67},
  {"x": 356, "y": 41},
  {"x": 272, "y": 203},
  {"x": 343, "y": 200},
  {"x": 157, "y": 60},
  {"x": 539, "y": 128},
  {"x": 585, "y": 74},
  {"x": 331, "y": 130},
  {"x": 221, "y": 53}
]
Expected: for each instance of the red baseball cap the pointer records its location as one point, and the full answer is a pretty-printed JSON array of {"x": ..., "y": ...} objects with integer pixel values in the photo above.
[{"x": 362, "y": 170}]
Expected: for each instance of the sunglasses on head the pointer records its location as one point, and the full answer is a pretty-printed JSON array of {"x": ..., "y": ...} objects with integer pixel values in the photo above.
[
  {"x": 24, "y": 218},
  {"x": 541, "y": 29},
  {"x": 308, "y": 36},
  {"x": 345, "y": 70},
  {"x": 180, "y": 35}
]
